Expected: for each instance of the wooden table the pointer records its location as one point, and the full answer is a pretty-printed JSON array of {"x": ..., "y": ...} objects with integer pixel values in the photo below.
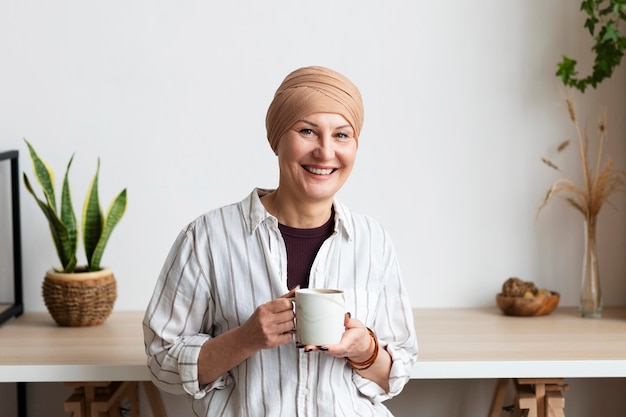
[
  {"x": 483, "y": 343},
  {"x": 536, "y": 353},
  {"x": 109, "y": 357},
  {"x": 454, "y": 343},
  {"x": 34, "y": 349}
]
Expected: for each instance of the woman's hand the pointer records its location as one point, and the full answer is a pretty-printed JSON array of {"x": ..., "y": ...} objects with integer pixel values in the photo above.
[
  {"x": 271, "y": 324},
  {"x": 356, "y": 342}
]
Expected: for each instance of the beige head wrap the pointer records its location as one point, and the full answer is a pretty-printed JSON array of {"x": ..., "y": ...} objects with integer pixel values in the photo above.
[{"x": 312, "y": 90}]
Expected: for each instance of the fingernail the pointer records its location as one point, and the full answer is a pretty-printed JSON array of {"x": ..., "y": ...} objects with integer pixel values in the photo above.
[
  {"x": 299, "y": 346},
  {"x": 323, "y": 348},
  {"x": 308, "y": 350},
  {"x": 349, "y": 315},
  {"x": 295, "y": 288}
]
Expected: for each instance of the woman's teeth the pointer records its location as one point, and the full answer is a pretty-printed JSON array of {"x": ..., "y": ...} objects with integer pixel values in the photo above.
[{"x": 319, "y": 171}]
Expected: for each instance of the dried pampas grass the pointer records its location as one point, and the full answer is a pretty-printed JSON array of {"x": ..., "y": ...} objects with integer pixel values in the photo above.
[{"x": 600, "y": 181}]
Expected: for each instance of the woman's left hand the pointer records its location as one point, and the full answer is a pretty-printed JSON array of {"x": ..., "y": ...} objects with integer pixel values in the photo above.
[
  {"x": 357, "y": 345},
  {"x": 355, "y": 342}
]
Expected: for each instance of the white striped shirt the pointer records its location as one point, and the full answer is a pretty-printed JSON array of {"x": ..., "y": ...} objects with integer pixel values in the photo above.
[{"x": 229, "y": 261}]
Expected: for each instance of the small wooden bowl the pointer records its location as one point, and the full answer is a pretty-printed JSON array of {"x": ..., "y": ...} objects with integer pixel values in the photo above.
[{"x": 540, "y": 305}]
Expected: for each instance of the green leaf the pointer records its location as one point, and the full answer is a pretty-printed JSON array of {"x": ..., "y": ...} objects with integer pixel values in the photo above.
[
  {"x": 566, "y": 70},
  {"x": 588, "y": 6},
  {"x": 68, "y": 217},
  {"x": 45, "y": 176},
  {"x": 610, "y": 33},
  {"x": 92, "y": 217},
  {"x": 607, "y": 10},
  {"x": 114, "y": 214},
  {"x": 590, "y": 24},
  {"x": 60, "y": 235}
]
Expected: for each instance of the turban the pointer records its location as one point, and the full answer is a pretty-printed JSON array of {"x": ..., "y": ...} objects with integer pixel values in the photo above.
[{"x": 311, "y": 90}]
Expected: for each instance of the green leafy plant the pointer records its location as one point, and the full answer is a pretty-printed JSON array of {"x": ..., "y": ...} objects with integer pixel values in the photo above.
[
  {"x": 96, "y": 228},
  {"x": 603, "y": 18}
]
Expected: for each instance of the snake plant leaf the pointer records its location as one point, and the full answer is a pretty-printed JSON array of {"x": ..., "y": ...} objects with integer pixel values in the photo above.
[
  {"x": 92, "y": 218},
  {"x": 114, "y": 214},
  {"x": 60, "y": 235},
  {"x": 45, "y": 176},
  {"x": 68, "y": 218}
]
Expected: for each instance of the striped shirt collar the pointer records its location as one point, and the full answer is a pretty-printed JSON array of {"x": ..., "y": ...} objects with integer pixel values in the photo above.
[{"x": 255, "y": 213}]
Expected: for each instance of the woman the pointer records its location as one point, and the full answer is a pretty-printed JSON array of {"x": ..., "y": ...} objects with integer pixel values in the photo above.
[{"x": 219, "y": 325}]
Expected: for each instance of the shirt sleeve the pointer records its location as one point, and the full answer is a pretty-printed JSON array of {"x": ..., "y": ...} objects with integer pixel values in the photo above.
[
  {"x": 180, "y": 306},
  {"x": 394, "y": 327}
]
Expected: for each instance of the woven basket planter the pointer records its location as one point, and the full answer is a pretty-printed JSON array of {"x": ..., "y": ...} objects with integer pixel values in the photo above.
[{"x": 80, "y": 299}]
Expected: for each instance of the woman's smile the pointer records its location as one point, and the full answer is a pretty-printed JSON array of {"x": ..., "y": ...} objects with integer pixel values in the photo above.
[{"x": 319, "y": 171}]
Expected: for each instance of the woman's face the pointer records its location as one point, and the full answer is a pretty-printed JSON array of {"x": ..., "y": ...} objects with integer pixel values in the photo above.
[{"x": 316, "y": 157}]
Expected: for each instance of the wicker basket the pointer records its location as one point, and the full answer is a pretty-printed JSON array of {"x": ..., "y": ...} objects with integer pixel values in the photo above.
[{"x": 80, "y": 299}]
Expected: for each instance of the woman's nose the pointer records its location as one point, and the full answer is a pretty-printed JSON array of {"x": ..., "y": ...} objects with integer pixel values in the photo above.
[{"x": 325, "y": 148}]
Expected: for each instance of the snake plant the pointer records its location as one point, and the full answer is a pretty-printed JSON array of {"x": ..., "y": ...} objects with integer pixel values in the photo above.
[{"x": 96, "y": 228}]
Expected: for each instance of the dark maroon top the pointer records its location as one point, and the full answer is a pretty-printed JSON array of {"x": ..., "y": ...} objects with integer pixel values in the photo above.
[{"x": 302, "y": 246}]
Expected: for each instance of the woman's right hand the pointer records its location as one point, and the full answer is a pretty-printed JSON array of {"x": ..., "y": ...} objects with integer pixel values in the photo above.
[{"x": 271, "y": 324}]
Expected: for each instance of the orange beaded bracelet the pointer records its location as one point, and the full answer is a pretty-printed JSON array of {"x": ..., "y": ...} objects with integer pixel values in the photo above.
[{"x": 361, "y": 366}]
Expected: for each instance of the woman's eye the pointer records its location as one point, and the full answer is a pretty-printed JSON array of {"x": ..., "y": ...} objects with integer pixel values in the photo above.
[{"x": 306, "y": 131}]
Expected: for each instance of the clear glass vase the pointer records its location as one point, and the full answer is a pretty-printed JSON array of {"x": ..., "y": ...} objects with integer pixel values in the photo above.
[{"x": 590, "y": 292}]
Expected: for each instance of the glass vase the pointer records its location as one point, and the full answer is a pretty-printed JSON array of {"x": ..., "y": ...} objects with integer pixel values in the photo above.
[{"x": 590, "y": 294}]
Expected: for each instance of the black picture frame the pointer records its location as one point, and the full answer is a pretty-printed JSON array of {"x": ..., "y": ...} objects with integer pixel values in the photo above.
[{"x": 17, "y": 308}]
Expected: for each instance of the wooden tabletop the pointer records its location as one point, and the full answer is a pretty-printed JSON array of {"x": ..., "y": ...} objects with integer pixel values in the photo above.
[
  {"x": 454, "y": 343},
  {"x": 33, "y": 348},
  {"x": 483, "y": 343}
]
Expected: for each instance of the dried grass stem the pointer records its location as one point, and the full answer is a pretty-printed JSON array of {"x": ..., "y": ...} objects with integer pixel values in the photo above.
[{"x": 599, "y": 183}]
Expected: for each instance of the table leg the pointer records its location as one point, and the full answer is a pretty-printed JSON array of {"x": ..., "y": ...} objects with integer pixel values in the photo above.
[
  {"x": 109, "y": 403},
  {"x": 555, "y": 403},
  {"x": 540, "y": 393},
  {"x": 103, "y": 399},
  {"x": 21, "y": 399},
  {"x": 75, "y": 405},
  {"x": 525, "y": 402},
  {"x": 545, "y": 390},
  {"x": 498, "y": 397}
]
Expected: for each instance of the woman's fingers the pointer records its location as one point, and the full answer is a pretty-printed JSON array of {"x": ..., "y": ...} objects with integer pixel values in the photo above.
[
  {"x": 271, "y": 323},
  {"x": 291, "y": 293},
  {"x": 350, "y": 323}
]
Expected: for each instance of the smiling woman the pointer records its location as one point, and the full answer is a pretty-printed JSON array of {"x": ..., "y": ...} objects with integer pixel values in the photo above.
[
  {"x": 315, "y": 158},
  {"x": 221, "y": 320}
]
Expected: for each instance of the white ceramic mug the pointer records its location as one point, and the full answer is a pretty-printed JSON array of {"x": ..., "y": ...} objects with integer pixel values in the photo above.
[{"x": 319, "y": 316}]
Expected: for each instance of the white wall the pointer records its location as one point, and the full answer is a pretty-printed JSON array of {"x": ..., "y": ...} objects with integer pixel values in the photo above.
[{"x": 461, "y": 101}]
